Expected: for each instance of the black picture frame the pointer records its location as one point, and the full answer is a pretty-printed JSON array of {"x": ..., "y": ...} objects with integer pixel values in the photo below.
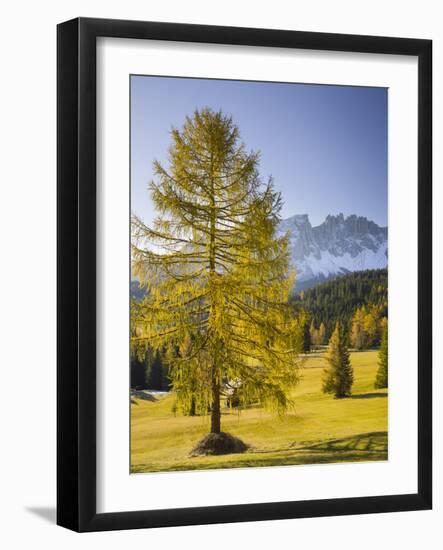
[{"x": 76, "y": 280}]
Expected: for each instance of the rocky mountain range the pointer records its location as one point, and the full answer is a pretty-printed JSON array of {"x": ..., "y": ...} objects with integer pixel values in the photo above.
[{"x": 337, "y": 246}]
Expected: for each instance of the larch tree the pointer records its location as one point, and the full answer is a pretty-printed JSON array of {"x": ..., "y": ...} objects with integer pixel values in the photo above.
[
  {"x": 381, "y": 378},
  {"x": 313, "y": 334},
  {"x": 370, "y": 327},
  {"x": 338, "y": 376},
  {"x": 216, "y": 273},
  {"x": 358, "y": 334}
]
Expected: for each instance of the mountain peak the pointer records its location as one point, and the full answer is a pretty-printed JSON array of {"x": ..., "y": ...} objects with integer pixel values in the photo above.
[
  {"x": 338, "y": 217},
  {"x": 337, "y": 246},
  {"x": 301, "y": 218},
  {"x": 297, "y": 219}
]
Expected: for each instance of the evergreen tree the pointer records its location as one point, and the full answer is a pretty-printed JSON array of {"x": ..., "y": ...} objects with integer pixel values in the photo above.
[
  {"x": 382, "y": 324},
  {"x": 370, "y": 327},
  {"x": 338, "y": 299},
  {"x": 338, "y": 377},
  {"x": 381, "y": 379},
  {"x": 137, "y": 368},
  {"x": 157, "y": 375},
  {"x": 147, "y": 367},
  {"x": 215, "y": 271},
  {"x": 313, "y": 332},
  {"x": 358, "y": 334},
  {"x": 304, "y": 324}
]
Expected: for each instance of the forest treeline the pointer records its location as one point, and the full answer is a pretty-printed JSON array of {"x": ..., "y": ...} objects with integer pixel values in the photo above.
[
  {"x": 359, "y": 301},
  {"x": 359, "y": 295},
  {"x": 149, "y": 372}
]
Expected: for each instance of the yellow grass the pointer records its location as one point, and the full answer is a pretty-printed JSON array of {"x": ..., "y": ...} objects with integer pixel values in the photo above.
[{"x": 321, "y": 429}]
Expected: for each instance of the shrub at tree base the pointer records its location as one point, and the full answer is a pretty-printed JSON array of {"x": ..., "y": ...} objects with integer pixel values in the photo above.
[{"x": 219, "y": 444}]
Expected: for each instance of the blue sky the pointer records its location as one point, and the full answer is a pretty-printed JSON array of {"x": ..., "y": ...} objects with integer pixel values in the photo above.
[{"x": 325, "y": 146}]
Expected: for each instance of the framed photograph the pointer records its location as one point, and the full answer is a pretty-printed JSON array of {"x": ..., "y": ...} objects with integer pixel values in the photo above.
[{"x": 244, "y": 274}]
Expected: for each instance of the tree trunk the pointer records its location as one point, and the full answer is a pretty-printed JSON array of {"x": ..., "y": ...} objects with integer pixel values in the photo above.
[
  {"x": 192, "y": 410},
  {"x": 215, "y": 411}
]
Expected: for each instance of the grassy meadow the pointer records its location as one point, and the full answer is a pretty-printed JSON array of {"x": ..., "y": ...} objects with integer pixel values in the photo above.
[{"x": 320, "y": 429}]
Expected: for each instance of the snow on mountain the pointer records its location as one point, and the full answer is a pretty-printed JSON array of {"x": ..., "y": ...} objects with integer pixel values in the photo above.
[{"x": 335, "y": 247}]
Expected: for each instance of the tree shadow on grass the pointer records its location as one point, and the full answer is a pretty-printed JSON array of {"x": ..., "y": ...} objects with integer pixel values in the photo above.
[
  {"x": 365, "y": 447},
  {"x": 369, "y": 395},
  {"x": 371, "y": 441}
]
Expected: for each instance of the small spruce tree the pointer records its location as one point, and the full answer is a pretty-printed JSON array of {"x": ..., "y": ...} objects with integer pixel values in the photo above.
[
  {"x": 154, "y": 370},
  {"x": 358, "y": 334},
  {"x": 381, "y": 379},
  {"x": 338, "y": 376},
  {"x": 147, "y": 367},
  {"x": 313, "y": 334},
  {"x": 370, "y": 328},
  {"x": 304, "y": 322}
]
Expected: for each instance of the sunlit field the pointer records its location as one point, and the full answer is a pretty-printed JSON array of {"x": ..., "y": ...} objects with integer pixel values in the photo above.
[{"x": 320, "y": 429}]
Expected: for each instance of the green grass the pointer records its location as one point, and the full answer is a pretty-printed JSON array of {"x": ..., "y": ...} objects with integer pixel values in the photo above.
[{"x": 320, "y": 429}]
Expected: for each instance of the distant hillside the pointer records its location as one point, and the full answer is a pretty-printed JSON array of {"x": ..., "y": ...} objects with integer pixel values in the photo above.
[{"x": 337, "y": 299}]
